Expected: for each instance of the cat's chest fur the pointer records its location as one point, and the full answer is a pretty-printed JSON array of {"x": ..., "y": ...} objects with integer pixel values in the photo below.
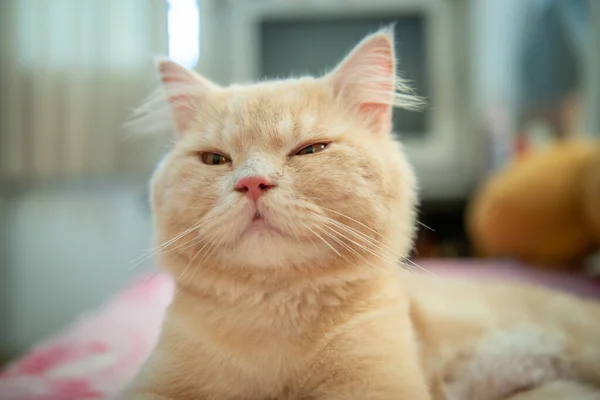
[
  {"x": 260, "y": 351},
  {"x": 240, "y": 364}
]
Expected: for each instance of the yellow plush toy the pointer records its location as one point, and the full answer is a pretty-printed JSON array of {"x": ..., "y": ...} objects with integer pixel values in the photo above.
[{"x": 542, "y": 209}]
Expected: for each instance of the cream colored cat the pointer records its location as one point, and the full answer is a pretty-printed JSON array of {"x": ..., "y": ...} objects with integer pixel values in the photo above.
[{"x": 282, "y": 211}]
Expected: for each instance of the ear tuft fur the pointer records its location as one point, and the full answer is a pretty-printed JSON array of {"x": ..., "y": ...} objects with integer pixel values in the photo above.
[
  {"x": 367, "y": 81},
  {"x": 174, "y": 104}
]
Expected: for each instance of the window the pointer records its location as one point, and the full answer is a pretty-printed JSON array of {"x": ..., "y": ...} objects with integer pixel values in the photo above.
[{"x": 183, "y": 22}]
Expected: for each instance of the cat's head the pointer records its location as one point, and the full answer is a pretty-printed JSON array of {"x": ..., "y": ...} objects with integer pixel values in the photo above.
[{"x": 295, "y": 173}]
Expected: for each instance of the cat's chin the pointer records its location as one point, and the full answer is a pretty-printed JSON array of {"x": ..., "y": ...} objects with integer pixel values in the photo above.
[
  {"x": 265, "y": 248},
  {"x": 259, "y": 227}
]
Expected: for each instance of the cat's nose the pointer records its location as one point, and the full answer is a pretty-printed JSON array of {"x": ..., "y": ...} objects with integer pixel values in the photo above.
[{"x": 254, "y": 186}]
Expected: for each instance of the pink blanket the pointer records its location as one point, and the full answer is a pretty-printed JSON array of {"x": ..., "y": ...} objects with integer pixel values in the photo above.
[{"x": 100, "y": 353}]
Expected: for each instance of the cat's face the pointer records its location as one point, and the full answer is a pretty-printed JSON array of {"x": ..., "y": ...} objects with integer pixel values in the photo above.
[{"x": 292, "y": 173}]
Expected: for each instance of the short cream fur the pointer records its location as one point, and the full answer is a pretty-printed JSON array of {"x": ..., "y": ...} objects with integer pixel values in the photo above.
[{"x": 314, "y": 305}]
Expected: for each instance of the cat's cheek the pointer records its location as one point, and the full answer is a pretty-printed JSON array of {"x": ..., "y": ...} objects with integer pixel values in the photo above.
[
  {"x": 321, "y": 178},
  {"x": 183, "y": 190}
]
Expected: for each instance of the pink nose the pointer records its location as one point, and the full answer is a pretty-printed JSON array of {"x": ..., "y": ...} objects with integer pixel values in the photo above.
[{"x": 254, "y": 186}]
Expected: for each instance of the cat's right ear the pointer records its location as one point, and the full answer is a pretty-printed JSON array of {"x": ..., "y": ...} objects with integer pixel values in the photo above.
[
  {"x": 367, "y": 83},
  {"x": 185, "y": 90}
]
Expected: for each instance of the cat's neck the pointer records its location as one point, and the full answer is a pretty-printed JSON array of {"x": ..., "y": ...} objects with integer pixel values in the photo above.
[{"x": 288, "y": 301}]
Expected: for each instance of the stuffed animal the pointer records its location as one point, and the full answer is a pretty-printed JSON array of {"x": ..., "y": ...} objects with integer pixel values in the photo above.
[{"x": 542, "y": 209}]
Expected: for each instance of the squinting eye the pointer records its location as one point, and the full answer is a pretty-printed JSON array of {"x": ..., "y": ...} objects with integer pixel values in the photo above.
[
  {"x": 213, "y": 159},
  {"x": 313, "y": 148}
]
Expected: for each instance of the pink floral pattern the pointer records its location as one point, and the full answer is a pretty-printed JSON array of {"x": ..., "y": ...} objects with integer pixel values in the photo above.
[{"x": 96, "y": 357}]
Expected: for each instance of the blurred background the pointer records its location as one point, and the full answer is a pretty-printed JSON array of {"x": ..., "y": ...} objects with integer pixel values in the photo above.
[{"x": 503, "y": 78}]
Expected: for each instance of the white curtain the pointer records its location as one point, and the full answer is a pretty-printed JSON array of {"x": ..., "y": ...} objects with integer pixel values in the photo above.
[{"x": 71, "y": 70}]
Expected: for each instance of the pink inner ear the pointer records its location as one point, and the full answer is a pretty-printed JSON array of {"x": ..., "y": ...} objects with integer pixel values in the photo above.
[
  {"x": 171, "y": 79},
  {"x": 384, "y": 61},
  {"x": 183, "y": 112},
  {"x": 176, "y": 80},
  {"x": 378, "y": 114},
  {"x": 171, "y": 72},
  {"x": 381, "y": 113},
  {"x": 373, "y": 108},
  {"x": 366, "y": 80},
  {"x": 186, "y": 91}
]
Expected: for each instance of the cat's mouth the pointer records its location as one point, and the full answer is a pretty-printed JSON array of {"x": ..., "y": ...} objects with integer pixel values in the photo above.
[{"x": 261, "y": 225}]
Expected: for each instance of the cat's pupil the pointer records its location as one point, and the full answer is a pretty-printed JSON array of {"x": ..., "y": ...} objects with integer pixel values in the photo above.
[
  {"x": 313, "y": 148},
  {"x": 213, "y": 159}
]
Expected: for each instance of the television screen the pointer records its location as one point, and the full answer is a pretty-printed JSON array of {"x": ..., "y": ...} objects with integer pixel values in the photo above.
[{"x": 312, "y": 46}]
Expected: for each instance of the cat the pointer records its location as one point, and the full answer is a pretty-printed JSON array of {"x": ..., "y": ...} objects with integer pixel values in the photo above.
[{"x": 283, "y": 209}]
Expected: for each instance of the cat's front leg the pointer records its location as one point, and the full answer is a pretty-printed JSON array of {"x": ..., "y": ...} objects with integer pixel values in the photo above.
[
  {"x": 373, "y": 385},
  {"x": 165, "y": 376},
  {"x": 138, "y": 394},
  {"x": 559, "y": 390},
  {"x": 375, "y": 360},
  {"x": 374, "y": 378},
  {"x": 142, "y": 396}
]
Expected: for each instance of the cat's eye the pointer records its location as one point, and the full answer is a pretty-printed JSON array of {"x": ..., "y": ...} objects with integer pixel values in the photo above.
[
  {"x": 313, "y": 148},
  {"x": 214, "y": 159}
]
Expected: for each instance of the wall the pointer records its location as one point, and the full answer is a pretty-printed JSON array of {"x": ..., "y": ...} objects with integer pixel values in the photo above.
[
  {"x": 65, "y": 250},
  {"x": 71, "y": 71},
  {"x": 497, "y": 27}
]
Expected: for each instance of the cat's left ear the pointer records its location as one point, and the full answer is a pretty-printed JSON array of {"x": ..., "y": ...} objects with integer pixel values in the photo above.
[
  {"x": 366, "y": 81},
  {"x": 186, "y": 91}
]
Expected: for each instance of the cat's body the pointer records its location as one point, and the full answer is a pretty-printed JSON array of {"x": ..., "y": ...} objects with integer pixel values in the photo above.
[
  {"x": 492, "y": 341},
  {"x": 500, "y": 342},
  {"x": 285, "y": 260}
]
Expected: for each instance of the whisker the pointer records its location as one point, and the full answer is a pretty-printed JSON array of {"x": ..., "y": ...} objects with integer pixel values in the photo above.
[
  {"x": 382, "y": 246},
  {"x": 353, "y": 251},
  {"x": 190, "y": 263},
  {"x": 418, "y": 266},
  {"x": 179, "y": 246},
  {"x": 158, "y": 249},
  {"x": 188, "y": 244},
  {"x": 197, "y": 225},
  {"x": 351, "y": 219},
  {"x": 206, "y": 253},
  {"x": 425, "y": 226},
  {"x": 340, "y": 242},
  {"x": 407, "y": 267},
  {"x": 161, "y": 246},
  {"x": 323, "y": 240},
  {"x": 374, "y": 242},
  {"x": 189, "y": 279},
  {"x": 361, "y": 246}
]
